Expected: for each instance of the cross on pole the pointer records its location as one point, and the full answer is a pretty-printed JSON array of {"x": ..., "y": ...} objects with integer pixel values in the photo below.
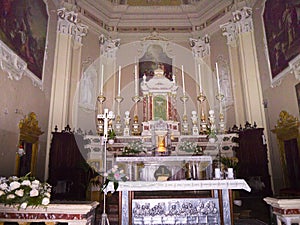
[{"x": 106, "y": 116}]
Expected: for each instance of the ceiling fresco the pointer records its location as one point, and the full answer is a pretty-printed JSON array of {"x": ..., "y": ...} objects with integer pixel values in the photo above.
[{"x": 153, "y": 2}]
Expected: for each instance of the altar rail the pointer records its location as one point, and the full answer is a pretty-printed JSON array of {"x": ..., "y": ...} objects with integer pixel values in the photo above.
[
  {"x": 71, "y": 213},
  {"x": 287, "y": 211}
]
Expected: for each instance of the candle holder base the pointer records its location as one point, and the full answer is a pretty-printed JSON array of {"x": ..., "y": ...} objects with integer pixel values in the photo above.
[
  {"x": 136, "y": 98},
  {"x": 119, "y": 99},
  {"x": 201, "y": 98}
]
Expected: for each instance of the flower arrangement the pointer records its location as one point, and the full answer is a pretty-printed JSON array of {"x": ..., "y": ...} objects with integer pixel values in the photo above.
[
  {"x": 24, "y": 191},
  {"x": 135, "y": 147},
  {"x": 188, "y": 146},
  {"x": 114, "y": 175},
  {"x": 230, "y": 162}
]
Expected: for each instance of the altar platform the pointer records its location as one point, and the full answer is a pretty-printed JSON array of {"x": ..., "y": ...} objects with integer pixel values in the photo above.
[{"x": 73, "y": 213}]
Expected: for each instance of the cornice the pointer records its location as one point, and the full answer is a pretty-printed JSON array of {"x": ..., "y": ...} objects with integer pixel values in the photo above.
[
  {"x": 15, "y": 66},
  {"x": 167, "y": 19}
]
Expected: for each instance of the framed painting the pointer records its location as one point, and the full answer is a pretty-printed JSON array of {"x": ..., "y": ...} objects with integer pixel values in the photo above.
[
  {"x": 282, "y": 27},
  {"x": 298, "y": 95},
  {"x": 23, "y": 28},
  {"x": 154, "y": 57}
]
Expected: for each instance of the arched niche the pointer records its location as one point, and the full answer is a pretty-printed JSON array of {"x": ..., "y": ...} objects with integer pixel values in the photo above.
[
  {"x": 287, "y": 132},
  {"x": 28, "y": 141}
]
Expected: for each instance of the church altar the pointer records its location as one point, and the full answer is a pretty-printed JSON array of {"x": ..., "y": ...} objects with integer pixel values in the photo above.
[
  {"x": 217, "y": 209},
  {"x": 79, "y": 213}
]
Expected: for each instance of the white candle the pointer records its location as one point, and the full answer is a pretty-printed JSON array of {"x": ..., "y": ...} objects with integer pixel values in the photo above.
[
  {"x": 102, "y": 74},
  {"x": 230, "y": 173},
  {"x": 217, "y": 173},
  {"x": 136, "y": 80},
  {"x": 218, "y": 78},
  {"x": 119, "y": 82},
  {"x": 183, "y": 84},
  {"x": 200, "y": 81}
]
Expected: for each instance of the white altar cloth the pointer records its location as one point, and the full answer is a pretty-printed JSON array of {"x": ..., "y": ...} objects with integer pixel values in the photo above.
[
  {"x": 180, "y": 185},
  {"x": 222, "y": 190}
]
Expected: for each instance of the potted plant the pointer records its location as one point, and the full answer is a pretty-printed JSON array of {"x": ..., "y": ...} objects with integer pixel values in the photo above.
[
  {"x": 111, "y": 135},
  {"x": 212, "y": 136}
]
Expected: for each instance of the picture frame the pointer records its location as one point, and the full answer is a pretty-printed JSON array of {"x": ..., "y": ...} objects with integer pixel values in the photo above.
[
  {"x": 282, "y": 30},
  {"x": 23, "y": 28},
  {"x": 297, "y": 87}
]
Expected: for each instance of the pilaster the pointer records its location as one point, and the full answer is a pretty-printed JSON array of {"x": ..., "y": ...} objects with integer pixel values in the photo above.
[
  {"x": 66, "y": 72},
  {"x": 246, "y": 79}
]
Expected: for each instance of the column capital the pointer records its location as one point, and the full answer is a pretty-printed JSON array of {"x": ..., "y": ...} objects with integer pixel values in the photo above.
[
  {"x": 108, "y": 46},
  {"x": 230, "y": 31},
  {"x": 200, "y": 47},
  {"x": 242, "y": 22},
  {"x": 68, "y": 24},
  {"x": 243, "y": 18}
]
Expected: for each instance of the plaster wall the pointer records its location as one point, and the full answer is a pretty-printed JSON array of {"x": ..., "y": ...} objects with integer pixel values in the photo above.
[
  {"x": 18, "y": 98},
  {"x": 276, "y": 97}
]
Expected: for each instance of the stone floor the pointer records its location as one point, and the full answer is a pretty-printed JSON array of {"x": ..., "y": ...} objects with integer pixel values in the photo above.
[{"x": 253, "y": 211}]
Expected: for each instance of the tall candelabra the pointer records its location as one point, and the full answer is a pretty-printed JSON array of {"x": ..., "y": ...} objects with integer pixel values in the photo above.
[
  {"x": 220, "y": 98},
  {"x": 185, "y": 124},
  {"x": 135, "y": 125},
  {"x": 203, "y": 125},
  {"x": 106, "y": 117},
  {"x": 101, "y": 98},
  {"x": 118, "y": 124}
]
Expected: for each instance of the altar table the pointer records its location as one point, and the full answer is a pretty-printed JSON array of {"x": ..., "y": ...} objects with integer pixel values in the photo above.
[
  {"x": 221, "y": 189},
  {"x": 286, "y": 210},
  {"x": 72, "y": 213}
]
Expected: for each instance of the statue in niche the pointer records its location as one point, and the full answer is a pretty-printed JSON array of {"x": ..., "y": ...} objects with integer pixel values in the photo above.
[
  {"x": 87, "y": 90},
  {"x": 225, "y": 81}
]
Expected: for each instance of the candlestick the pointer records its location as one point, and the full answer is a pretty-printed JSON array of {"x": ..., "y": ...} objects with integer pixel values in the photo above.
[
  {"x": 102, "y": 74},
  {"x": 218, "y": 78},
  {"x": 136, "y": 80},
  {"x": 119, "y": 83},
  {"x": 200, "y": 81},
  {"x": 183, "y": 84}
]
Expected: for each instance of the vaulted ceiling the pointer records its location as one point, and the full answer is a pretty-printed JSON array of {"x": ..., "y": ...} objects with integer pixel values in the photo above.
[{"x": 134, "y": 17}]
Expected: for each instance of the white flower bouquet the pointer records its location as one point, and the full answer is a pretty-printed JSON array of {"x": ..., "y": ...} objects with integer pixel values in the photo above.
[
  {"x": 24, "y": 191},
  {"x": 188, "y": 146},
  {"x": 135, "y": 147}
]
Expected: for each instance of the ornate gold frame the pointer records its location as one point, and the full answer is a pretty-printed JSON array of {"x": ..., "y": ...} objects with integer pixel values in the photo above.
[
  {"x": 287, "y": 128},
  {"x": 29, "y": 133}
]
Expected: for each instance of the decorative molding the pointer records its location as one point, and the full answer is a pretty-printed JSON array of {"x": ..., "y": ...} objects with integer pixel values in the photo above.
[
  {"x": 230, "y": 31},
  {"x": 11, "y": 62},
  {"x": 108, "y": 46},
  {"x": 155, "y": 39},
  {"x": 15, "y": 66},
  {"x": 294, "y": 64},
  {"x": 200, "y": 47},
  {"x": 293, "y": 68},
  {"x": 242, "y": 22},
  {"x": 243, "y": 19},
  {"x": 68, "y": 24}
]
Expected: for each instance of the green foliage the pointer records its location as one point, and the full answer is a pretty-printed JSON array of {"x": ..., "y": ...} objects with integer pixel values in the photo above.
[{"x": 111, "y": 134}]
